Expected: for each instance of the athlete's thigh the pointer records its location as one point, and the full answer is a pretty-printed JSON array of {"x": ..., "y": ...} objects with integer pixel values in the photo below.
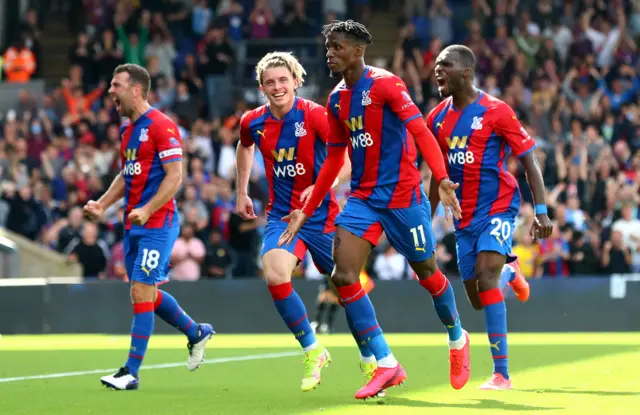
[
  {"x": 320, "y": 246},
  {"x": 130, "y": 245},
  {"x": 272, "y": 234},
  {"x": 466, "y": 251},
  {"x": 361, "y": 220},
  {"x": 154, "y": 255},
  {"x": 410, "y": 232}
]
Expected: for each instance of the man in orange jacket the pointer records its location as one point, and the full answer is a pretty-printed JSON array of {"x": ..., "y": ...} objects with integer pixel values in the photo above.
[{"x": 19, "y": 63}]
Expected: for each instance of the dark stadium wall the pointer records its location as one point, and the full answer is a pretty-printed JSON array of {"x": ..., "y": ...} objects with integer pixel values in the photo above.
[{"x": 574, "y": 304}]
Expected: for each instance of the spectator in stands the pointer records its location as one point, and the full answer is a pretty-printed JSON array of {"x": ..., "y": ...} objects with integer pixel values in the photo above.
[
  {"x": 629, "y": 227},
  {"x": 19, "y": 62},
  {"x": 616, "y": 258},
  {"x": 186, "y": 105},
  {"x": 201, "y": 16},
  {"x": 555, "y": 254},
  {"x": 245, "y": 242},
  {"x": 81, "y": 54},
  {"x": 79, "y": 103},
  {"x": 134, "y": 43},
  {"x": 187, "y": 255},
  {"x": 107, "y": 54},
  {"x": 176, "y": 15},
  {"x": 162, "y": 48},
  {"x": 569, "y": 69},
  {"x": 117, "y": 269},
  {"x": 31, "y": 30},
  {"x": 528, "y": 255},
  {"x": 25, "y": 215},
  {"x": 90, "y": 252},
  {"x": 390, "y": 265},
  {"x": 72, "y": 230},
  {"x": 584, "y": 258},
  {"x": 218, "y": 259},
  {"x": 216, "y": 54}
]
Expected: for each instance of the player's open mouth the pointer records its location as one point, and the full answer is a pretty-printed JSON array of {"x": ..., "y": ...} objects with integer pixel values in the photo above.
[
  {"x": 441, "y": 81},
  {"x": 279, "y": 95},
  {"x": 116, "y": 101}
]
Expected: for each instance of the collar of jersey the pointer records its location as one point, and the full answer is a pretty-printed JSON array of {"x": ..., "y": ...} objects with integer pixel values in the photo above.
[
  {"x": 480, "y": 95},
  {"x": 288, "y": 115},
  {"x": 144, "y": 115},
  {"x": 360, "y": 81}
]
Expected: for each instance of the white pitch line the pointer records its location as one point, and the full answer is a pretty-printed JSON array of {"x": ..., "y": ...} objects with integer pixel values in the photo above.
[{"x": 152, "y": 367}]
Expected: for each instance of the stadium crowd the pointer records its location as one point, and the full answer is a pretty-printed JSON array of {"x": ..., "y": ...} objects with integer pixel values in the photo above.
[{"x": 569, "y": 69}]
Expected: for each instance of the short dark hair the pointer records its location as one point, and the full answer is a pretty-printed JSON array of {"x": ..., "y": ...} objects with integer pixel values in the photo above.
[
  {"x": 467, "y": 58},
  {"x": 137, "y": 75},
  {"x": 356, "y": 31}
]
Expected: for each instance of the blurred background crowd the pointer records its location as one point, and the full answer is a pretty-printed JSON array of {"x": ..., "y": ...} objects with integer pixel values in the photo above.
[{"x": 568, "y": 68}]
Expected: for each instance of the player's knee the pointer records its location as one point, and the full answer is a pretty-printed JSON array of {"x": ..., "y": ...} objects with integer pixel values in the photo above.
[
  {"x": 425, "y": 269},
  {"x": 488, "y": 274},
  {"x": 142, "y": 293},
  {"x": 276, "y": 277},
  {"x": 342, "y": 278}
]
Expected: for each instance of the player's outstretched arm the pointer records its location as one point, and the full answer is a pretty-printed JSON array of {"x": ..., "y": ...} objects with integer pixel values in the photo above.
[
  {"x": 326, "y": 177},
  {"x": 430, "y": 150},
  {"x": 542, "y": 226},
  {"x": 522, "y": 145},
  {"x": 345, "y": 172},
  {"x": 343, "y": 177},
  {"x": 336, "y": 140},
  {"x": 114, "y": 193},
  {"x": 244, "y": 163},
  {"x": 434, "y": 196}
]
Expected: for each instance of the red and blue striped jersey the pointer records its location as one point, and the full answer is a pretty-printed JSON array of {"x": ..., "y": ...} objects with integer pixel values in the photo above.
[
  {"x": 148, "y": 143},
  {"x": 294, "y": 149},
  {"x": 370, "y": 118},
  {"x": 475, "y": 143}
]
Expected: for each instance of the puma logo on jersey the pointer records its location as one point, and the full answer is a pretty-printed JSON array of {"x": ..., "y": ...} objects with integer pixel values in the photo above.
[
  {"x": 171, "y": 130},
  {"x": 337, "y": 106},
  {"x": 439, "y": 124},
  {"x": 261, "y": 133}
]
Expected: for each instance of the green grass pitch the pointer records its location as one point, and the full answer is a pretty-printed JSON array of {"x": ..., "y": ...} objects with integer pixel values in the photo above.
[{"x": 568, "y": 373}]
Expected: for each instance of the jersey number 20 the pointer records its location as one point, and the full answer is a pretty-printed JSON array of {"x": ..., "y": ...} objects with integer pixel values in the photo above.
[{"x": 501, "y": 229}]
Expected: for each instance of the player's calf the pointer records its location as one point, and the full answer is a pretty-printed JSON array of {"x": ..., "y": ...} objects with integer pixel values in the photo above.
[
  {"x": 445, "y": 304},
  {"x": 141, "y": 329},
  {"x": 471, "y": 289},
  {"x": 294, "y": 314}
]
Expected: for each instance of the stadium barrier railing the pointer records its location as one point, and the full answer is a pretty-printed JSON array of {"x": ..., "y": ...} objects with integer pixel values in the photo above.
[{"x": 54, "y": 305}]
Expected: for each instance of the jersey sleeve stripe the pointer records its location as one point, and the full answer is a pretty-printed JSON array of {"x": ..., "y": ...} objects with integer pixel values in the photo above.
[
  {"x": 170, "y": 160},
  {"x": 412, "y": 118},
  {"x": 526, "y": 152}
]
